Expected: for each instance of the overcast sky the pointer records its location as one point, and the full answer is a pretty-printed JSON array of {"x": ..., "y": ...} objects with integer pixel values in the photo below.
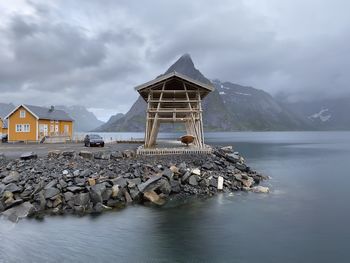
[{"x": 93, "y": 53}]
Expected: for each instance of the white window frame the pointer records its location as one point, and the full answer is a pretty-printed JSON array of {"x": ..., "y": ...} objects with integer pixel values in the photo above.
[
  {"x": 22, "y": 114},
  {"x": 23, "y": 127},
  {"x": 26, "y": 127},
  {"x": 18, "y": 127}
]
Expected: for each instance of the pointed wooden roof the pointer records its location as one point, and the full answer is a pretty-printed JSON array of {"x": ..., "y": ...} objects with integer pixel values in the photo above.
[{"x": 144, "y": 88}]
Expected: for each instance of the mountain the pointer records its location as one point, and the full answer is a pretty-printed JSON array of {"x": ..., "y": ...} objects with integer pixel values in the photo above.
[
  {"x": 229, "y": 107},
  {"x": 325, "y": 114},
  {"x": 112, "y": 119},
  {"x": 84, "y": 120}
]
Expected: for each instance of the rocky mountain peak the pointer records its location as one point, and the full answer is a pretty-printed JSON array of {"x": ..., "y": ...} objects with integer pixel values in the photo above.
[{"x": 185, "y": 65}]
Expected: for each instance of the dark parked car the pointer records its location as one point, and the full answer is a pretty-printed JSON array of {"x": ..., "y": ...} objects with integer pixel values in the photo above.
[
  {"x": 4, "y": 138},
  {"x": 93, "y": 140}
]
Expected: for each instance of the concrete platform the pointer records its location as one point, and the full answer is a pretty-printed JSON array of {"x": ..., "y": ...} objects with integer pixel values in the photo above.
[{"x": 172, "y": 147}]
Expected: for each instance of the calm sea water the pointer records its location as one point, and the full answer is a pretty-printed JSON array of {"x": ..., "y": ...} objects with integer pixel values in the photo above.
[{"x": 304, "y": 219}]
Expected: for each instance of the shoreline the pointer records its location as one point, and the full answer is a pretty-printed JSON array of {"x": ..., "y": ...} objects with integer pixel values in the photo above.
[{"x": 86, "y": 182}]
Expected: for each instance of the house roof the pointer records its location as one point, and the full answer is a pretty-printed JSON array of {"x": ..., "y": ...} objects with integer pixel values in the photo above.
[
  {"x": 174, "y": 74},
  {"x": 44, "y": 113}
]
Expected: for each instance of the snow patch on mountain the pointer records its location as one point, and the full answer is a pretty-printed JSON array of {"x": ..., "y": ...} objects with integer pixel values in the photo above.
[
  {"x": 323, "y": 115},
  {"x": 243, "y": 94}
]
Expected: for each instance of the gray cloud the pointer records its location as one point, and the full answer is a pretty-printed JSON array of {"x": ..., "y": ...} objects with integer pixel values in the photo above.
[{"x": 89, "y": 53}]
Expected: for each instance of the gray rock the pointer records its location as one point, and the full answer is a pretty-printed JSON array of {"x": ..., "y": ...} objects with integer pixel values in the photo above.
[
  {"x": 185, "y": 176},
  {"x": 208, "y": 166},
  {"x": 142, "y": 187},
  {"x": 11, "y": 178},
  {"x": 68, "y": 196},
  {"x": 133, "y": 182},
  {"x": 106, "y": 194},
  {"x": 235, "y": 157},
  {"x": 85, "y": 173},
  {"x": 12, "y": 187},
  {"x": 28, "y": 156},
  {"x": 241, "y": 166},
  {"x": 175, "y": 186},
  {"x": 213, "y": 182},
  {"x": 98, "y": 208},
  {"x": 51, "y": 184},
  {"x": 192, "y": 180},
  {"x": 96, "y": 192},
  {"x": 21, "y": 211},
  {"x": 168, "y": 173},
  {"x": 81, "y": 199},
  {"x": 54, "y": 154},
  {"x": 116, "y": 155},
  {"x": 102, "y": 155},
  {"x": 134, "y": 193},
  {"x": 51, "y": 192},
  {"x": 63, "y": 183},
  {"x": 86, "y": 154},
  {"x": 164, "y": 186},
  {"x": 74, "y": 189},
  {"x": 129, "y": 153},
  {"x": 68, "y": 154},
  {"x": 227, "y": 149},
  {"x": 122, "y": 182}
]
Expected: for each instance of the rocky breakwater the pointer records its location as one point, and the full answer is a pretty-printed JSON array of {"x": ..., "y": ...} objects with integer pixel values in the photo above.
[{"x": 86, "y": 182}]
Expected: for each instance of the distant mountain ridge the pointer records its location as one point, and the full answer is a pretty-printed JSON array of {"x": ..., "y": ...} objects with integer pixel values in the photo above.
[
  {"x": 229, "y": 107},
  {"x": 84, "y": 120},
  {"x": 325, "y": 114}
]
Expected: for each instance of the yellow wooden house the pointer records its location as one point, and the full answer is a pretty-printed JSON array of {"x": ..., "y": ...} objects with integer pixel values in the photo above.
[{"x": 32, "y": 123}]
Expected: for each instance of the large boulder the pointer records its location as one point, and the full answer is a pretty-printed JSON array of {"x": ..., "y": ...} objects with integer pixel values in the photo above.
[
  {"x": 142, "y": 187},
  {"x": 260, "y": 189},
  {"x": 11, "y": 178},
  {"x": 51, "y": 184},
  {"x": 116, "y": 155},
  {"x": 192, "y": 180},
  {"x": 102, "y": 155},
  {"x": 129, "y": 153},
  {"x": 153, "y": 197},
  {"x": 54, "y": 154},
  {"x": 96, "y": 192},
  {"x": 86, "y": 154},
  {"x": 68, "y": 154},
  {"x": 175, "y": 186},
  {"x": 241, "y": 166},
  {"x": 28, "y": 156},
  {"x": 247, "y": 182},
  {"x": 81, "y": 199},
  {"x": 20, "y": 211},
  {"x": 51, "y": 192},
  {"x": 74, "y": 189},
  {"x": 12, "y": 187}
]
